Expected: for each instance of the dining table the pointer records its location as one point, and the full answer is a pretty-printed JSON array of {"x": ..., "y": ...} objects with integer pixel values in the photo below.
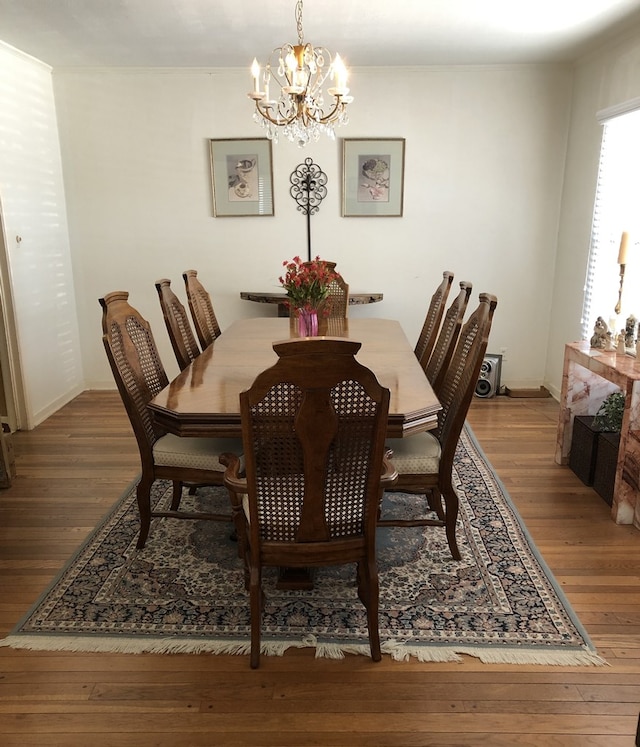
[{"x": 203, "y": 399}]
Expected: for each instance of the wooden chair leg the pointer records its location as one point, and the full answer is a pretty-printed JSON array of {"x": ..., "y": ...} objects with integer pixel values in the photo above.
[
  {"x": 435, "y": 503},
  {"x": 368, "y": 591},
  {"x": 177, "y": 495},
  {"x": 143, "y": 495},
  {"x": 255, "y": 595},
  {"x": 451, "y": 518}
]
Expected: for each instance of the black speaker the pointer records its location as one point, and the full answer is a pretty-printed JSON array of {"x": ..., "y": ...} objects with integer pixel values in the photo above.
[{"x": 488, "y": 384}]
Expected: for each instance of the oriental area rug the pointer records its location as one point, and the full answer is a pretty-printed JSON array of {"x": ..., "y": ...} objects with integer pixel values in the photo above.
[{"x": 184, "y": 592}]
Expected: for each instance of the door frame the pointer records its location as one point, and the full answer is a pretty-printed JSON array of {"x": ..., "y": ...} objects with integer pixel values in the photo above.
[{"x": 11, "y": 379}]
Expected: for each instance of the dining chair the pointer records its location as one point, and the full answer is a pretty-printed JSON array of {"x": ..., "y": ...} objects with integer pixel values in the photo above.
[
  {"x": 424, "y": 461},
  {"x": 431, "y": 325},
  {"x": 202, "y": 313},
  {"x": 337, "y": 302},
  {"x": 139, "y": 375},
  {"x": 181, "y": 335},
  {"x": 313, "y": 428},
  {"x": 447, "y": 337}
]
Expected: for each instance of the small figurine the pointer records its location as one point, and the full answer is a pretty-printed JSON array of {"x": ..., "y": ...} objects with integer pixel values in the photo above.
[
  {"x": 601, "y": 337},
  {"x": 629, "y": 331}
]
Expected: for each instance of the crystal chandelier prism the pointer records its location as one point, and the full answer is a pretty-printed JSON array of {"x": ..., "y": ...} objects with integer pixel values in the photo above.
[{"x": 298, "y": 109}]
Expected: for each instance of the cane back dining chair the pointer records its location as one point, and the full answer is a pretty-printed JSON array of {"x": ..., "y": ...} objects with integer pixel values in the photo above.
[
  {"x": 424, "y": 461},
  {"x": 181, "y": 335},
  {"x": 337, "y": 302},
  {"x": 313, "y": 428},
  {"x": 139, "y": 375},
  {"x": 447, "y": 337},
  {"x": 202, "y": 313},
  {"x": 431, "y": 325}
]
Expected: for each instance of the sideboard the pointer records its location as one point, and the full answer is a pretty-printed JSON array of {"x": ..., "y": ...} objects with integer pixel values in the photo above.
[
  {"x": 588, "y": 376},
  {"x": 355, "y": 299}
]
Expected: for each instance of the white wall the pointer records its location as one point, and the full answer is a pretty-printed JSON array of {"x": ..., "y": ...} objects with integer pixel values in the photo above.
[
  {"x": 39, "y": 265},
  {"x": 485, "y": 151},
  {"x": 610, "y": 77},
  {"x": 485, "y": 172}
]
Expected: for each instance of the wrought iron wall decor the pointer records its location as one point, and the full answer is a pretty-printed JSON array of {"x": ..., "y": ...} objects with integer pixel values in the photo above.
[{"x": 308, "y": 189}]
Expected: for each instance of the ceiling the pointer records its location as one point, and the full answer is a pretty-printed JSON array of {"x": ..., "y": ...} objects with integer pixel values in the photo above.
[{"x": 229, "y": 33}]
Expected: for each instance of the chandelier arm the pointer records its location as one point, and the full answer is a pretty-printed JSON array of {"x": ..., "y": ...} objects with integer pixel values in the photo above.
[
  {"x": 339, "y": 105},
  {"x": 280, "y": 121}
]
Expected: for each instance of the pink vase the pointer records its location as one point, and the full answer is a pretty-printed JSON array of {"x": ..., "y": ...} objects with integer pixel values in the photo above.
[{"x": 307, "y": 323}]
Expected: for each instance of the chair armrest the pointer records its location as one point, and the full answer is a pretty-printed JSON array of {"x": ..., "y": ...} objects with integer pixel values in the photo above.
[{"x": 234, "y": 479}]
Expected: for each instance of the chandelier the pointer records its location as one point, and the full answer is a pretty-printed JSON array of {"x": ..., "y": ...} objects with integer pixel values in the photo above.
[{"x": 299, "y": 71}]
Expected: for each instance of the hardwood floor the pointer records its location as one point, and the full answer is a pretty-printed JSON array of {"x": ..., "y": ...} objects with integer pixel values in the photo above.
[{"x": 77, "y": 463}]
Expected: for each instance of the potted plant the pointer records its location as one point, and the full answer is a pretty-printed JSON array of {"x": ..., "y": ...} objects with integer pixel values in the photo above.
[
  {"x": 609, "y": 415},
  {"x": 588, "y": 433},
  {"x": 608, "y": 421}
]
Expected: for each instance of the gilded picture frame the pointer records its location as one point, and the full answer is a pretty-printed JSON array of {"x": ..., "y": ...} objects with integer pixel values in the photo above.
[
  {"x": 241, "y": 177},
  {"x": 373, "y": 177}
]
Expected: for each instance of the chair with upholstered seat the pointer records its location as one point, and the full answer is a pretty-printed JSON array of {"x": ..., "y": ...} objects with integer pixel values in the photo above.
[
  {"x": 178, "y": 325},
  {"x": 139, "y": 375},
  {"x": 424, "y": 461},
  {"x": 431, "y": 325},
  {"x": 201, "y": 307},
  {"x": 313, "y": 428},
  {"x": 439, "y": 359}
]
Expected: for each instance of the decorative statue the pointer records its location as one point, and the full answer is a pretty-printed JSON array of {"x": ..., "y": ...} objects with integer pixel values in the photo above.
[
  {"x": 601, "y": 335},
  {"x": 629, "y": 331}
]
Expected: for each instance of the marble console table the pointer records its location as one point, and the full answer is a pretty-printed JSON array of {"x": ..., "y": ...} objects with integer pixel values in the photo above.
[
  {"x": 588, "y": 376},
  {"x": 355, "y": 299}
]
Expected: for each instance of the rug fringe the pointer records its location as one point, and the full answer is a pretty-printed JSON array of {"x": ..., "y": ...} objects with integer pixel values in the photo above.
[
  {"x": 235, "y": 647},
  {"x": 508, "y": 655},
  {"x": 117, "y": 645}
]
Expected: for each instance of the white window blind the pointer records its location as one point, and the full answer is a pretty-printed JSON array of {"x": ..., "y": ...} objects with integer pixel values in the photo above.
[{"x": 616, "y": 209}]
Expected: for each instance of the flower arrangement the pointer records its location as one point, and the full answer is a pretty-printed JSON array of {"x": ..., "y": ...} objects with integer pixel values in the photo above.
[{"x": 307, "y": 283}]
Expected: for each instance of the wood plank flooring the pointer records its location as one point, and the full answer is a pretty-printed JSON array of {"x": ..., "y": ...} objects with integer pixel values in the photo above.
[{"x": 74, "y": 466}]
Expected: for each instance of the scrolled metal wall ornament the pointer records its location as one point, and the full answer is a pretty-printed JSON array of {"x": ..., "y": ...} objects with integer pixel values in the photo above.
[{"x": 308, "y": 189}]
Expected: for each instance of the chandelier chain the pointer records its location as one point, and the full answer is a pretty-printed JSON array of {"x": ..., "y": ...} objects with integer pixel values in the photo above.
[{"x": 299, "y": 23}]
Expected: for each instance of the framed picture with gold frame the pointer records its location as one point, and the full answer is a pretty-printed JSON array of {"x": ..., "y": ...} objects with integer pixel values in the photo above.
[
  {"x": 241, "y": 177},
  {"x": 372, "y": 177}
]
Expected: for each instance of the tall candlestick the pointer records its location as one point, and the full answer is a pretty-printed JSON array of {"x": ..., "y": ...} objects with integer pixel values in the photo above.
[
  {"x": 622, "y": 254},
  {"x": 619, "y": 304}
]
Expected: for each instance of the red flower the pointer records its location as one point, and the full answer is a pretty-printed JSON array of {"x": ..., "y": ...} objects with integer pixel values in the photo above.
[{"x": 307, "y": 283}]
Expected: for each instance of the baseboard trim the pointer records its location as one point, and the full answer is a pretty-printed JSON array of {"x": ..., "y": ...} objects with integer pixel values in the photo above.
[{"x": 540, "y": 392}]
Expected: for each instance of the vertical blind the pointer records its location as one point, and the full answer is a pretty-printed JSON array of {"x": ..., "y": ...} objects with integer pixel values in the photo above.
[{"x": 616, "y": 209}]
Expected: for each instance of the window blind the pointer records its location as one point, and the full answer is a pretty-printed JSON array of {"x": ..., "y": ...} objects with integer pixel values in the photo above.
[{"x": 616, "y": 209}]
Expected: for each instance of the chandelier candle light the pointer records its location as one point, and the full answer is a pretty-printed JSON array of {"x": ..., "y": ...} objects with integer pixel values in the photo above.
[{"x": 300, "y": 71}]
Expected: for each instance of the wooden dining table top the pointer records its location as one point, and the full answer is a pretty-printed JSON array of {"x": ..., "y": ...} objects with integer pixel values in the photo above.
[{"x": 203, "y": 400}]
